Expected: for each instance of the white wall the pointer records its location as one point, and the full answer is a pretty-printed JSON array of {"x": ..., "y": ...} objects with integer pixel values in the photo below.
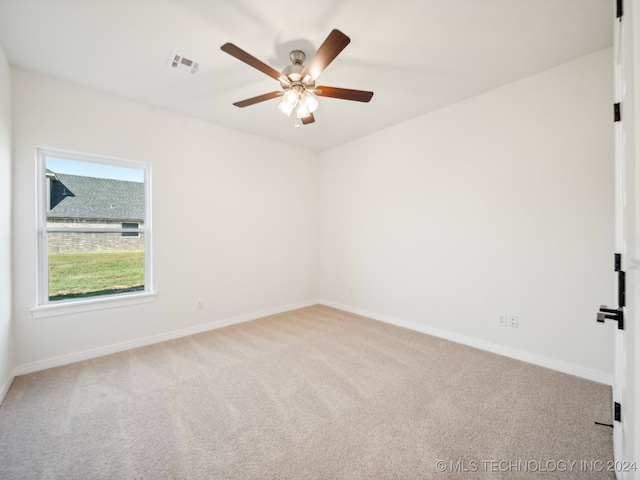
[
  {"x": 6, "y": 336},
  {"x": 234, "y": 216},
  {"x": 500, "y": 203}
]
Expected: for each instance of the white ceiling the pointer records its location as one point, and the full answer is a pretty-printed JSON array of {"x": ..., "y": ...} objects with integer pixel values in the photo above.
[{"x": 416, "y": 55}]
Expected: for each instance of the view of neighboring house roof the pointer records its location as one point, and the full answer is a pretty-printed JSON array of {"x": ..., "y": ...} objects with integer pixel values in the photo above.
[{"x": 73, "y": 196}]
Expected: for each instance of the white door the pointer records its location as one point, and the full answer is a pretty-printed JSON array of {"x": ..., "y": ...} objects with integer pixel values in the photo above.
[
  {"x": 620, "y": 189},
  {"x": 625, "y": 433}
]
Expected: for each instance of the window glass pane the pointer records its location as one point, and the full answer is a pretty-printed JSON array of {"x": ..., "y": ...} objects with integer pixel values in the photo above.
[
  {"x": 93, "y": 264},
  {"x": 93, "y": 195}
]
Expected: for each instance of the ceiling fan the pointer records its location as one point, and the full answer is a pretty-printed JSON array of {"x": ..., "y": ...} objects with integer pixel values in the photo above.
[{"x": 297, "y": 81}]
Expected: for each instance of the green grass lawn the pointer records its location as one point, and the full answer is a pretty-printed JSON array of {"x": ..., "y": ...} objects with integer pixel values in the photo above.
[{"x": 76, "y": 275}]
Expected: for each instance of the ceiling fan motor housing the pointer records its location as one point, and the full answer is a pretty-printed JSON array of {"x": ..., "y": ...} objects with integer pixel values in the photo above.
[
  {"x": 293, "y": 73},
  {"x": 297, "y": 57}
]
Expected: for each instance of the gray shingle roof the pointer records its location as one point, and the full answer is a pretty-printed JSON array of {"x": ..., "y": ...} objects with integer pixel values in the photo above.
[{"x": 73, "y": 196}]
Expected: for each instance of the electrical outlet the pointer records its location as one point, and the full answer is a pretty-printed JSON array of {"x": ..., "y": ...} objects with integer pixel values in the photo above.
[
  {"x": 513, "y": 321},
  {"x": 199, "y": 304},
  {"x": 502, "y": 319}
]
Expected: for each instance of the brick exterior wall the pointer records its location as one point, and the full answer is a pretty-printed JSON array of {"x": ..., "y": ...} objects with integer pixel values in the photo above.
[{"x": 92, "y": 242}]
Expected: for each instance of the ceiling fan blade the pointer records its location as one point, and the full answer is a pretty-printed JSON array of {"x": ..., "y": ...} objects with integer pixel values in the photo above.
[
  {"x": 331, "y": 47},
  {"x": 258, "y": 99},
  {"x": 252, "y": 61},
  {"x": 344, "y": 93},
  {"x": 308, "y": 119}
]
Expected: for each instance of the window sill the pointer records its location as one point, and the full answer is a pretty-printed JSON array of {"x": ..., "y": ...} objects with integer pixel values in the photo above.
[{"x": 87, "y": 305}]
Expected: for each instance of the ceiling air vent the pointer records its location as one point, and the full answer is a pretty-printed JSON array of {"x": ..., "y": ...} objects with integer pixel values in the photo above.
[{"x": 180, "y": 63}]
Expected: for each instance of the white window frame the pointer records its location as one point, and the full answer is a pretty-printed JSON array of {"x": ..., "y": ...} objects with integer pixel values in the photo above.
[{"x": 46, "y": 308}]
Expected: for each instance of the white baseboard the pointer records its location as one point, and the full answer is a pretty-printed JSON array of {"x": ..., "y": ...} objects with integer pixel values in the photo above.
[
  {"x": 141, "y": 342},
  {"x": 5, "y": 388},
  {"x": 539, "y": 360},
  {"x": 470, "y": 341}
]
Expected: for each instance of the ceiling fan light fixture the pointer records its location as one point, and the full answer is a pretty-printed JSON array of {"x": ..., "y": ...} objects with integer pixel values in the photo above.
[
  {"x": 286, "y": 107},
  {"x": 302, "y": 111},
  {"x": 310, "y": 101},
  {"x": 291, "y": 96}
]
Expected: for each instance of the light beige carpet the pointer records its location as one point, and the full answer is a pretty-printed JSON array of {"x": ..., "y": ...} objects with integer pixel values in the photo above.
[{"x": 315, "y": 393}]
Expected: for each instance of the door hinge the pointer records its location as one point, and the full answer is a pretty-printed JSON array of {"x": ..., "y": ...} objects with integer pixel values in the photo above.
[
  {"x": 616, "y": 112},
  {"x": 617, "y": 262},
  {"x": 617, "y": 412},
  {"x": 619, "y": 9}
]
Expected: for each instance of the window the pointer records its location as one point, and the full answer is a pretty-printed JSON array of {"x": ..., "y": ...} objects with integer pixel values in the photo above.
[
  {"x": 130, "y": 225},
  {"x": 94, "y": 229}
]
